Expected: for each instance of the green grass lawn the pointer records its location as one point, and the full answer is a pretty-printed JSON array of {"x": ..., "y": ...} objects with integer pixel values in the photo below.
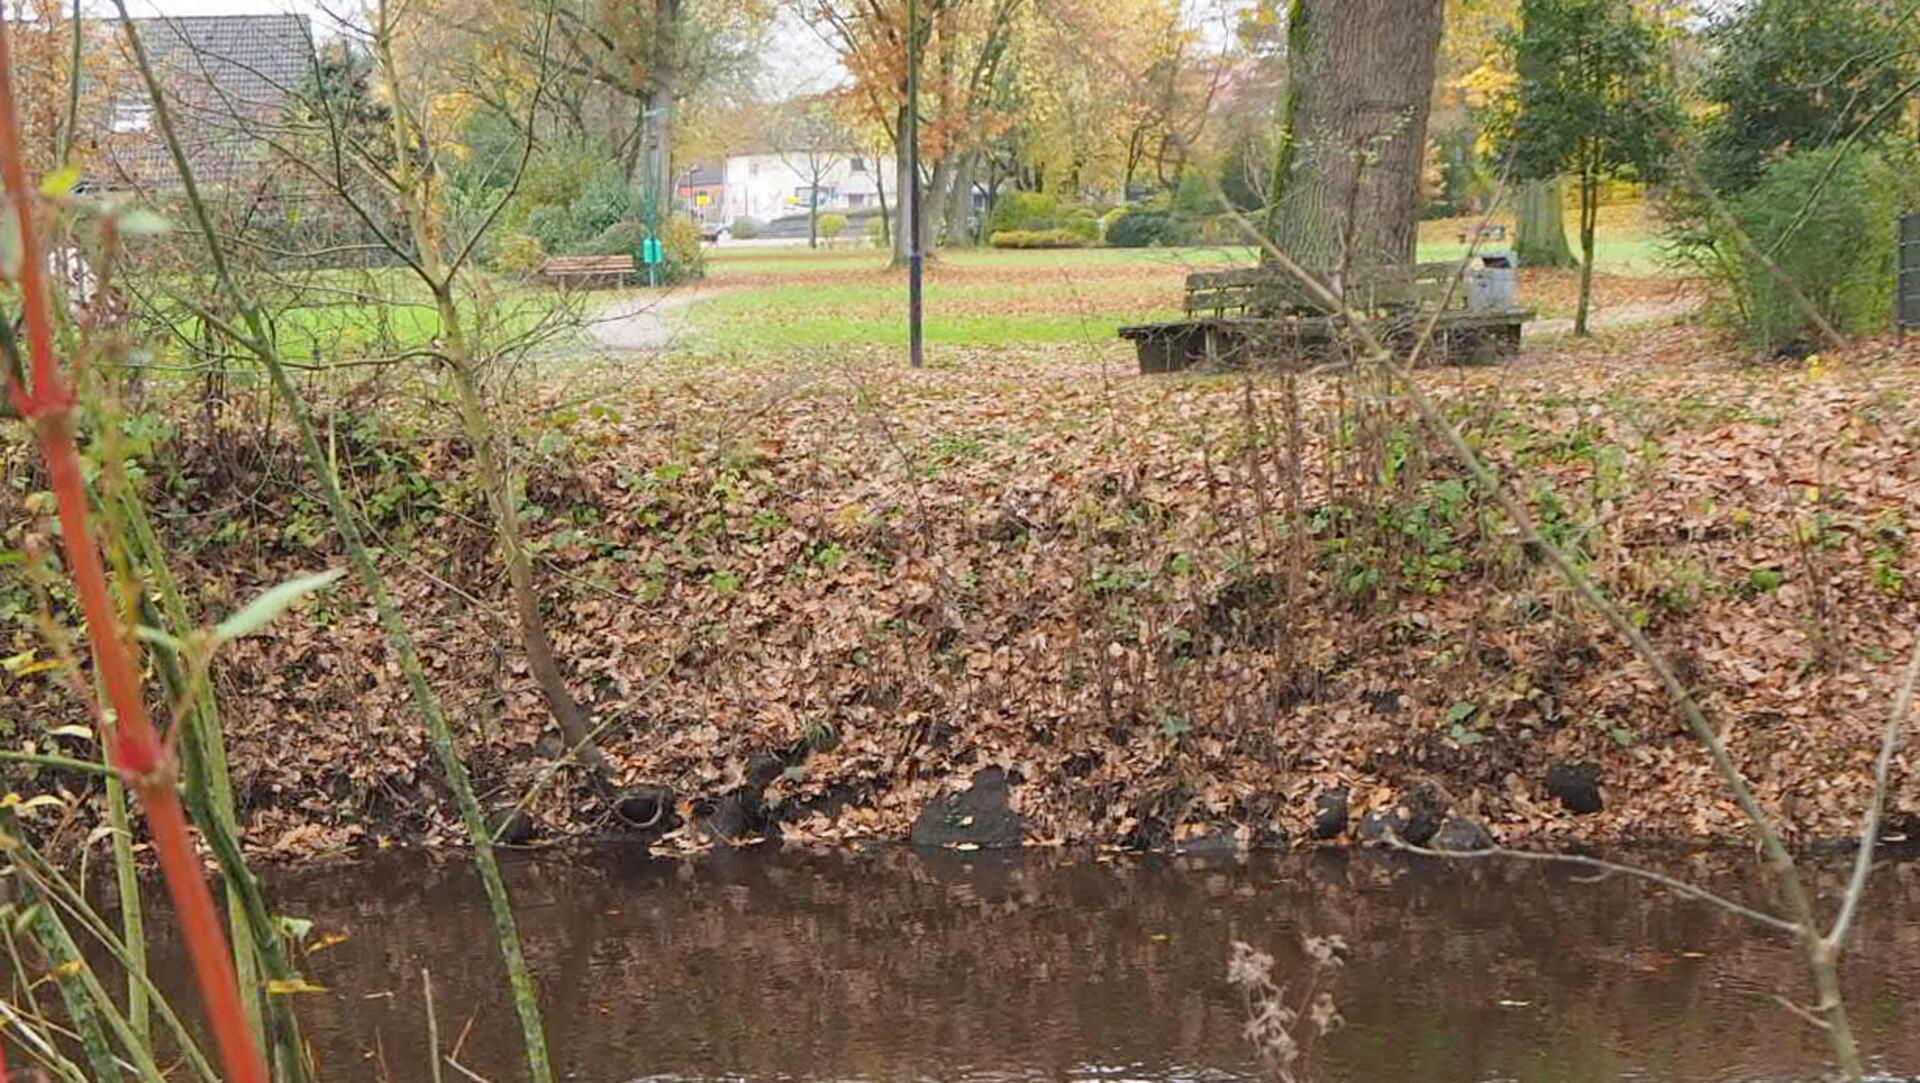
[
  {"x": 745, "y": 260},
  {"x": 985, "y": 297},
  {"x": 357, "y": 314},
  {"x": 767, "y": 298},
  {"x": 1629, "y": 255}
]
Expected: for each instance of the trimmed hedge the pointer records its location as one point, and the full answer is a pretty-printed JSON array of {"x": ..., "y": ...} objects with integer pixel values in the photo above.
[
  {"x": 1040, "y": 220},
  {"x": 1042, "y": 238},
  {"x": 1024, "y": 212}
]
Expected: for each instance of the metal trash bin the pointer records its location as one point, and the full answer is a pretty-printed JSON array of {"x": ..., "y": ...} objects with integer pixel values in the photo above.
[{"x": 1493, "y": 284}]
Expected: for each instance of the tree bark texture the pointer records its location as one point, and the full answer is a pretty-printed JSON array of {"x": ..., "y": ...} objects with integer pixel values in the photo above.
[
  {"x": 933, "y": 214},
  {"x": 904, "y": 189},
  {"x": 1541, "y": 239},
  {"x": 666, "y": 77},
  {"x": 960, "y": 201},
  {"x": 1354, "y": 131}
]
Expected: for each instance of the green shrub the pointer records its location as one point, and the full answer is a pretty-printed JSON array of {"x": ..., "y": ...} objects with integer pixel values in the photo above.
[
  {"x": 518, "y": 253},
  {"x": 1083, "y": 223},
  {"x": 1024, "y": 211},
  {"x": 684, "y": 248},
  {"x": 622, "y": 238},
  {"x": 1788, "y": 75},
  {"x": 551, "y": 226},
  {"x": 1149, "y": 228},
  {"x": 1042, "y": 238},
  {"x": 831, "y": 226},
  {"x": 1828, "y": 218},
  {"x": 605, "y": 200},
  {"x": 878, "y": 233},
  {"x": 1195, "y": 197},
  {"x": 745, "y": 228}
]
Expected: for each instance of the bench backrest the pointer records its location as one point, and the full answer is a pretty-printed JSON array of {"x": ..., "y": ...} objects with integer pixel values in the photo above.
[
  {"x": 1270, "y": 291},
  {"x": 588, "y": 264}
]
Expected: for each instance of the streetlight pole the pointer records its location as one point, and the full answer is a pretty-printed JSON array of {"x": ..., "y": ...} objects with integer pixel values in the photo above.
[
  {"x": 916, "y": 260},
  {"x": 653, "y": 194}
]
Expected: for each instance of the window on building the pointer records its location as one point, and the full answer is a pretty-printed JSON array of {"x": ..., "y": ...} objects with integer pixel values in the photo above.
[
  {"x": 857, "y": 164},
  {"x": 131, "y": 117}
]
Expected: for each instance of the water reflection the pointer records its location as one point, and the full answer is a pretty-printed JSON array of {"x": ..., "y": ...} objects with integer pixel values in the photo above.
[{"x": 893, "y": 966}]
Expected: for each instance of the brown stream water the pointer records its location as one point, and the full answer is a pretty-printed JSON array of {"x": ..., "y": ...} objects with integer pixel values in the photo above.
[{"x": 901, "y": 966}]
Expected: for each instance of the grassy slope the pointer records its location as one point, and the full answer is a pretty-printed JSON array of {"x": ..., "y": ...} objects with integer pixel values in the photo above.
[{"x": 1031, "y": 557}]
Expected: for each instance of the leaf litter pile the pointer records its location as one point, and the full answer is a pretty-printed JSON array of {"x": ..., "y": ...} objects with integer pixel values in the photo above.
[{"x": 1164, "y": 606}]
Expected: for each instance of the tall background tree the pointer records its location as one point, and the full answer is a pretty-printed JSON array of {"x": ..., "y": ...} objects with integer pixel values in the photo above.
[
  {"x": 1808, "y": 145},
  {"x": 1113, "y": 97},
  {"x": 1590, "y": 104},
  {"x": 1479, "y": 76},
  {"x": 1792, "y": 75},
  {"x": 43, "y": 59},
  {"x": 811, "y": 141},
  {"x": 627, "y": 75},
  {"x": 964, "y": 46},
  {"x": 1353, "y": 131}
]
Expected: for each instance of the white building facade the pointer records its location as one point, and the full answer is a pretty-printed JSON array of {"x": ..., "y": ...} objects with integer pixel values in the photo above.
[{"x": 767, "y": 186}]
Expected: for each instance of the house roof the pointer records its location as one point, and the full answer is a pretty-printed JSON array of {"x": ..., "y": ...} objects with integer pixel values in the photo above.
[
  {"x": 703, "y": 173},
  {"x": 252, "y": 61},
  {"x": 223, "y": 75}
]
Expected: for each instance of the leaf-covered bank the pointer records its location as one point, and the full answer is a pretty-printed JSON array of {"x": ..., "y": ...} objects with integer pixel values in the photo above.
[{"x": 1163, "y": 606}]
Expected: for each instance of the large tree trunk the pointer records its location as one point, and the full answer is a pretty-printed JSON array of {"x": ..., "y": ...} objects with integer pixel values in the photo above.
[
  {"x": 1347, "y": 174},
  {"x": 933, "y": 216},
  {"x": 1541, "y": 239},
  {"x": 666, "y": 77},
  {"x": 904, "y": 189},
  {"x": 960, "y": 202}
]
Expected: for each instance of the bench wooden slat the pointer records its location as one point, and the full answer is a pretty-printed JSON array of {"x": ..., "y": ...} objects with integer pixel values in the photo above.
[
  {"x": 1372, "y": 291},
  {"x": 614, "y": 268},
  {"x": 1259, "y": 309},
  {"x": 597, "y": 264}
]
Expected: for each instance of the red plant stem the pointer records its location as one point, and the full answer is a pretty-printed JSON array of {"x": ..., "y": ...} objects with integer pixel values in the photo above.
[
  {"x": 135, "y": 745},
  {"x": 4, "y": 1077}
]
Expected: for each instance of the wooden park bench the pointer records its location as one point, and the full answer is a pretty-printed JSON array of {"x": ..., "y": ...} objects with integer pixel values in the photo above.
[
  {"x": 609, "y": 270},
  {"x": 1478, "y": 234},
  {"x": 1263, "y": 313}
]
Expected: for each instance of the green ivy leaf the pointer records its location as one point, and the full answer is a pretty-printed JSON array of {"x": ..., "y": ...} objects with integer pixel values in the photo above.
[{"x": 1465, "y": 736}]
